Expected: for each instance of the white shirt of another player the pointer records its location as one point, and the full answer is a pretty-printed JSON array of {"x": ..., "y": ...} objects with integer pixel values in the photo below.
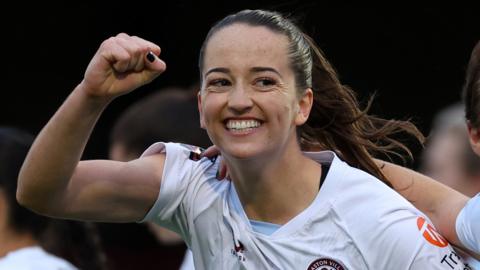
[
  {"x": 355, "y": 222},
  {"x": 33, "y": 258},
  {"x": 187, "y": 263},
  {"x": 468, "y": 224},
  {"x": 468, "y": 228}
]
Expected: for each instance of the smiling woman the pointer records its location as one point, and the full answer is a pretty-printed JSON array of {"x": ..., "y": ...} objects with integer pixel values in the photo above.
[
  {"x": 248, "y": 103},
  {"x": 268, "y": 95}
]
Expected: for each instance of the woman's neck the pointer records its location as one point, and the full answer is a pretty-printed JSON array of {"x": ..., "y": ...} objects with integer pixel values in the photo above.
[
  {"x": 11, "y": 241},
  {"x": 278, "y": 187}
]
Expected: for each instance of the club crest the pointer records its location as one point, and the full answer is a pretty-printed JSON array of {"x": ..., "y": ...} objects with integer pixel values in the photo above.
[{"x": 326, "y": 264}]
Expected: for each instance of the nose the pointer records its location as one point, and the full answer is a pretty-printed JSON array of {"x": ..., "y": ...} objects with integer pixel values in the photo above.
[{"x": 240, "y": 100}]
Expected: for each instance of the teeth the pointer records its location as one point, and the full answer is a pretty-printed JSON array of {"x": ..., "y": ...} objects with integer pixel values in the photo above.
[{"x": 242, "y": 124}]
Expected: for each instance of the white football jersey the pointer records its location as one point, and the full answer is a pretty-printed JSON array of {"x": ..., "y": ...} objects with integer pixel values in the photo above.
[
  {"x": 468, "y": 224},
  {"x": 187, "y": 262},
  {"x": 33, "y": 258},
  {"x": 355, "y": 222}
]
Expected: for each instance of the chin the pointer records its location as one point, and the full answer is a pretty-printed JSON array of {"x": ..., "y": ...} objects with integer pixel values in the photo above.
[{"x": 244, "y": 151}]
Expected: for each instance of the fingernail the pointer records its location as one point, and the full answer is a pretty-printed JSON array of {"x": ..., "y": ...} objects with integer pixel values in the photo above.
[{"x": 150, "y": 57}]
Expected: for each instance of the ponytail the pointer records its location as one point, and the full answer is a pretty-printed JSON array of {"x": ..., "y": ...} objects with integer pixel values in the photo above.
[{"x": 337, "y": 122}]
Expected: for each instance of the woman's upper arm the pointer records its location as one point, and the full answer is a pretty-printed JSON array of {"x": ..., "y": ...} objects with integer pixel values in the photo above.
[{"x": 112, "y": 191}]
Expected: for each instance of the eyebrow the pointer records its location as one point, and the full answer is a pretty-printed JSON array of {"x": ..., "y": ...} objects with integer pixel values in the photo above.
[
  {"x": 253, "y": 70},
  {"x": 262, "y": 69},
  {"x": 218, "y": 69}
]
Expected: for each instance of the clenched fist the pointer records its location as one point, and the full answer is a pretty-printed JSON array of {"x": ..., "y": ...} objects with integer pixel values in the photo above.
[{"x": 122, "y": 64}]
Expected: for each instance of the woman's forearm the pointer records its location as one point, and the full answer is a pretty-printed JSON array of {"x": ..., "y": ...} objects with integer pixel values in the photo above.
[
  {"x": 438, "y": 201},
  {"x": 57, "y": 150}
]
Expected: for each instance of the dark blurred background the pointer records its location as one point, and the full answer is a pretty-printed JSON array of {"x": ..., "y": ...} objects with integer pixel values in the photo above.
[{"x": 413, "y": 57}]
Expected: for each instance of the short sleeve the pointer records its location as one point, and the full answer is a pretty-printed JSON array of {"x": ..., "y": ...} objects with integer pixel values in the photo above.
[
  {"x": 188, "y": 187},
  {"x": 169, "y": 208},
  {"x": 468, "y": 224}
]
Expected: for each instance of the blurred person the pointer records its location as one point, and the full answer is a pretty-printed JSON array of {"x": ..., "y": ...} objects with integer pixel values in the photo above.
[
  {"x": 170, "y": 114},
  {"x": 257, "y": 103},
  {"x": 21, "y": 230},
  {"x": 448, "y": 156},
  {"x": 77, "y": 241}
]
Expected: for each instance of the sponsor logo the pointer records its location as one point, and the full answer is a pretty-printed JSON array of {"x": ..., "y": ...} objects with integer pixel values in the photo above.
[
  {"x": 454, "y": 262},
  {"x": 326, "y": 264},
  {"x": 430, "y": 234}
]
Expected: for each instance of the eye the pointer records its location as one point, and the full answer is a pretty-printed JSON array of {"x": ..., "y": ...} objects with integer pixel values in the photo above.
[
  {"x": 219, "y": 82},
  {"x": 218, "y": 85},
  {"x": 265, "y": 83}
]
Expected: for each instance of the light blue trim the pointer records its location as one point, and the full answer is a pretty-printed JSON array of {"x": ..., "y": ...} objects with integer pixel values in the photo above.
[{"x": 266, "y": 228}]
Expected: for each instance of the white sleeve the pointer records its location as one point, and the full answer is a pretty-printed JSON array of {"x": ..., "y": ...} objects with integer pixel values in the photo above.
[
  {"x": 171, "y": 208},
  {"x": 468, "y": 224}
]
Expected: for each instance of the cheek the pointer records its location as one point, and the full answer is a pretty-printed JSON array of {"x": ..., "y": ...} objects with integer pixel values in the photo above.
[
  {"x": 285, "y": 113},
  {"x": 476, "y": 147},
  {"x": 211, "y": 107}
]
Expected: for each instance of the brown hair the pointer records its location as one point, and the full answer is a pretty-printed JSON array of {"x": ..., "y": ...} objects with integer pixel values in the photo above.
[
  {"x": 471, "y": 89},
  {"x": 336, "y": 121}
]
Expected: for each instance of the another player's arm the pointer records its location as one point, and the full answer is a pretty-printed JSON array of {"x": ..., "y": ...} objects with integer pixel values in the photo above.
[{"x": 438, "y": 201}]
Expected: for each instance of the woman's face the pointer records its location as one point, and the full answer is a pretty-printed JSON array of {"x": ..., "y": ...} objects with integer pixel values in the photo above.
[
  {"x": 474, "y": 134},
  {"x": 248, "y": 102}
]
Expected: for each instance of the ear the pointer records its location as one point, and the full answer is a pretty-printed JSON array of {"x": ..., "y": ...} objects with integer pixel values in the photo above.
[
  {"x": 305, "y": 104},
  {"x": 200, "y": 110},
  {"x": 474, "y": 134}
]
